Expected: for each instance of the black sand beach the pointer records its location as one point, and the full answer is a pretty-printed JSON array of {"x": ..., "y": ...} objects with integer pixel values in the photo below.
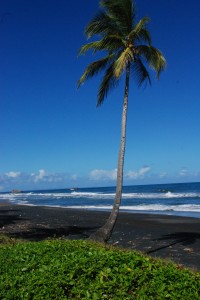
[{"x": 169, "y": 237}]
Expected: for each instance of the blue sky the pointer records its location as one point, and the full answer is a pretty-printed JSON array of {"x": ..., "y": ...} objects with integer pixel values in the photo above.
[{"x": 53, "y": 136}]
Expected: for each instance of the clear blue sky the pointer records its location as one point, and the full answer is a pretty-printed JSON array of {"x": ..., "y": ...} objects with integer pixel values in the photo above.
[{"x": 52, "y": 135}]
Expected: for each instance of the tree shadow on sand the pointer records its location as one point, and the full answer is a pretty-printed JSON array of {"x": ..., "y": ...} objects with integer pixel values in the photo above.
[
  {"x": 15, "y": 226},
  {"x": 184, "y": 238},
  {"x": 39, "y": 233},
  {"x": 6, "y": 218}
]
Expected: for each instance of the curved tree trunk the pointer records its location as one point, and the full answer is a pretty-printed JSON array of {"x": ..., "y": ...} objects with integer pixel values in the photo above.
[{"x": 104, "y": 233}]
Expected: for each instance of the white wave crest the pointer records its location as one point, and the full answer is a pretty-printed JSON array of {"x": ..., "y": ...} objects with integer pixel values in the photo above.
[
  {"x": 136, "y": 195},
  {"x": 148, "y": 208},
  {"x": 92, "y": 195},
  {"x": 95, "y": 196}
]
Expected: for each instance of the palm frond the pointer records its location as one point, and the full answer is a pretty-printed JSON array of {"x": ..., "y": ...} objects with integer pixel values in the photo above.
[
  {"x": 121, "y": 62},
  {"x": 94, "y": 68},
  {"x": 113, "y": 42},
  {"x": 153, "y": 57},
  {"x": 109, "y": 43},
  {"x": 121, "y": 12},
  {"x": 139, "y": 72},
  {"x": 102, "y": 25},
  {"x": 140, "y": 32},
  {"x": 145, "y": 36},
  {"x": 90, "y": 46},
  {"x": 108, "y": 83}
]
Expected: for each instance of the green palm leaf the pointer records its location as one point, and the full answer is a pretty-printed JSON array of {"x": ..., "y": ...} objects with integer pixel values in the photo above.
[
  {"x": 122, "y": 12},
  {"x": 102, "y": 25},
  {"x": 94, "y": 68},
  {"x": 122, "y": 61},
  {"x": 140, "y": 73},
  {"x": 110, "y": 43},
  {"x": 153, "y": 56},
  {"x": 108, "y": 82},
  {"x": 140, "y": 32}
]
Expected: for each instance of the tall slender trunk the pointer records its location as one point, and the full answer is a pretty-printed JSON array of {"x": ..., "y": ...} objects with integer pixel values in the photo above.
[{"x": 104, "y": 233}]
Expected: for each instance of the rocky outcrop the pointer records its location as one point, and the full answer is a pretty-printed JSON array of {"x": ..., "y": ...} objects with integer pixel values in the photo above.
[{"x": 16, "y": 191}]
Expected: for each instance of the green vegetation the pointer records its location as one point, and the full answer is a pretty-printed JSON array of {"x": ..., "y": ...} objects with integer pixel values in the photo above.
[{"x": 85, "y": 270}]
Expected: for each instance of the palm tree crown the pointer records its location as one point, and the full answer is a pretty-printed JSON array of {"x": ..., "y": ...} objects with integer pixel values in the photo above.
[{"x": 125, "y": 42}]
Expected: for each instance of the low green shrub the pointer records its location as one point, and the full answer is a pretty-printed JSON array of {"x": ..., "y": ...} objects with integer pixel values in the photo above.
[
  {"x": 85, "y": 270},
  {"x": 6, "y": 240}
]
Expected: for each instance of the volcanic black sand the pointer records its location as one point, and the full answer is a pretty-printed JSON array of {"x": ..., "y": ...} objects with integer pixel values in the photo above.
[{"x": 169, "y": 237}]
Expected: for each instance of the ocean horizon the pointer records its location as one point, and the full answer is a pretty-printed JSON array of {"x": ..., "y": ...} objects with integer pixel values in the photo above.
[{"x": 180, "y": 199}]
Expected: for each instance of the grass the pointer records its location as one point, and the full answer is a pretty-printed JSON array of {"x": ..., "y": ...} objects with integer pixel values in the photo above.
[{"x": 58, "y": 269}]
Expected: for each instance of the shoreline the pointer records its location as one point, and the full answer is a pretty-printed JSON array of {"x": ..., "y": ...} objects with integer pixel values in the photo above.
[
  {"x": 170, "y": 237},
  {"x": 173, "y": 213}
]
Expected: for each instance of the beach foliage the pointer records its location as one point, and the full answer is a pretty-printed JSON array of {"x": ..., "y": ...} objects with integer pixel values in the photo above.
[
  {"x": 125, "y": 44},
  {"x": 85, "y": 270}
]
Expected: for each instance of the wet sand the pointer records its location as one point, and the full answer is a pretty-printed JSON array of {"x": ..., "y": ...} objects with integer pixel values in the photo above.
[{"x": 169, "y": 237}]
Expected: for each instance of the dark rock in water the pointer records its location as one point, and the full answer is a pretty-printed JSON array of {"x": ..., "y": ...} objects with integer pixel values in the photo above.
[
  {"x": 163, "y": 191},
  {"x": 16, "y": 191},
  {"x": 73, "y": 189}
]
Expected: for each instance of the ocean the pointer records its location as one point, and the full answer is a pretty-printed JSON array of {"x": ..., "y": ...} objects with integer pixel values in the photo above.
[{"x": 181, "y": 199}]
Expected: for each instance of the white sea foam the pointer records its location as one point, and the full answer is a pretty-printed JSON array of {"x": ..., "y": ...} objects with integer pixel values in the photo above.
[
  {"x": 153, "y": 207},
  {"x": 92, "y": 195},
  {"x": 131, "y": 208},
  {"x": 137, "y": 195}
]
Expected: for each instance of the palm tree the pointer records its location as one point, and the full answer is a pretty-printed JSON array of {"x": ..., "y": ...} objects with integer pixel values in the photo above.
[{"x": 127, "y": 49}]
